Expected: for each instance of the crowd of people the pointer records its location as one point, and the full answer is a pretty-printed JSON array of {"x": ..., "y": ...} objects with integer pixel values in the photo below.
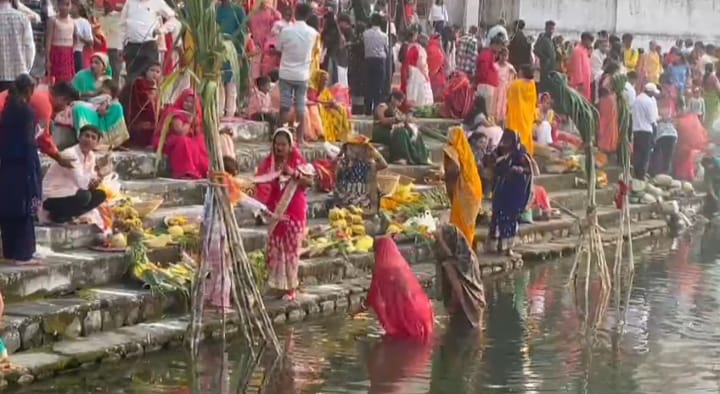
[{"x": 306, "y": 63}]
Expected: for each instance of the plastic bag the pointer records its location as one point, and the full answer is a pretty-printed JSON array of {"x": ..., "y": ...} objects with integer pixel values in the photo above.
[{"x": 111, "y": 186}]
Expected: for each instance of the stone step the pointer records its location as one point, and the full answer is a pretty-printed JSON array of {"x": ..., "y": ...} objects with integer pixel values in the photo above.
[
  {"x": 111, "y": 343},
  {"x": 35, "y": 323},
  {"x": 80, "y": 268}
]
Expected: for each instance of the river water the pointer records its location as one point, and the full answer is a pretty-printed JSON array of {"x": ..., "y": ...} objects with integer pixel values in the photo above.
[{"x": 532, "y": 341}]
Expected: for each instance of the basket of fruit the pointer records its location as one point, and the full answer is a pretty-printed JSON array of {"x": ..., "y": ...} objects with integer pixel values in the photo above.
[{"x": 387, "y": 182}]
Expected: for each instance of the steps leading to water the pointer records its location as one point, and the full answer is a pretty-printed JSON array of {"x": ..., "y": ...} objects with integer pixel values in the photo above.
[{"x": 81, "y": 307}]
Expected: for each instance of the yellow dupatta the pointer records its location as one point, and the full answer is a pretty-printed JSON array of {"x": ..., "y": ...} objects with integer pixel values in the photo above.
[
  {"x": 468, "y": 193},
  {"x": 335, "y": 121}
]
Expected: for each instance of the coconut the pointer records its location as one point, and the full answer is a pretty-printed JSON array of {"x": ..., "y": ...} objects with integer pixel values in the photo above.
[
  {"x": 663, "y": 180},
  {"x": 648, "y": 198},
  {"x": 118, "y": 241},
  {"x": 687, "y": 187},
  {"x": 675, "y": 184}
]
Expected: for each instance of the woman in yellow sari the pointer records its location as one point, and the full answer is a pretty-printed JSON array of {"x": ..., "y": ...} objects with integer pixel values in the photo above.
[
  {"x": 333, "y": 115},
  {"x": 462, "y": 182},
  {"x": 522, "y": 103}
]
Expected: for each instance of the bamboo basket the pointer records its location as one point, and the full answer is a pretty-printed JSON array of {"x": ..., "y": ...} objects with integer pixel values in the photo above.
[
  {"x": 387, "y": 183},
  {"x": 145, "y": 208}
]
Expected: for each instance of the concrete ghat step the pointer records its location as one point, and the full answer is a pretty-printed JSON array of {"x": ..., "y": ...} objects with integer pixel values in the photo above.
[
  {"x": 314, "y": 300},
  {"x": 35, "y": 323}
]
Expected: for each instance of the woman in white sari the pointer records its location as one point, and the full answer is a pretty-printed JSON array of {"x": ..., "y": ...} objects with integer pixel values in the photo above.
[{"x": 419, "y": 91}]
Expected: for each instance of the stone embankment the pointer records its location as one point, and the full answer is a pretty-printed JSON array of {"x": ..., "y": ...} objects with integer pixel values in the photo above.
[{"x": 80, "y": 309}]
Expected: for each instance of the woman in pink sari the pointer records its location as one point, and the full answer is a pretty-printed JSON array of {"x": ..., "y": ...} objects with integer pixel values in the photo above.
[
  {"x": 282, "y": 179},
  {"x": 507, "y": 74},
  {"x": 180, "y": 137},
  {"x": 436, "y": 67},
  {"x": 397, "y": 298},
  {"x": 260, "y": 23}
]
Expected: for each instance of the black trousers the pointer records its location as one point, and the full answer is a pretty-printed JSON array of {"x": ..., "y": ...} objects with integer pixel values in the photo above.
[
  {"x": 642, "y": 146},
  {"x": 18, "y": 237},
  {"x": 138, "y": 57},
  {"x": 662, "y": 155},
  {"x": 64, "y": 209},
  {"x": 5, "y": 85},
  {"x": 78, "y": 59},
  {"x": 374, "y": 83}
]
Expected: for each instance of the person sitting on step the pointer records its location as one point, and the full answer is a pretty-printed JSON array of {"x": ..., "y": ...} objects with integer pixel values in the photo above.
[{"x": 70, "y": 194}]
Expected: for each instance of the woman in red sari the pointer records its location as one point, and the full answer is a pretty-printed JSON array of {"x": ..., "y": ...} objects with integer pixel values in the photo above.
[
  {"x": 282, "y": 180},
  {"x": 459, "y": 96},
  {"x": 181, "y": 138},
  {"x": 436, "y": 67},
  {"x": 142, "y": 108},
  {"x": 397, "y": 298}
]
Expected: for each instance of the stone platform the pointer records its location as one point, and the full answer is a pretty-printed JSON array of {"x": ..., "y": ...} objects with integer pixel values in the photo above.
[{"x": 81, "y": 308}]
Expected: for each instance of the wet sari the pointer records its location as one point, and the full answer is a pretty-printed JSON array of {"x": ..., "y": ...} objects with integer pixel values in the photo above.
[
  {"x": 186, "y": 153},
  {"x": 458, "y": 278},
  {"x": 436, "y": 67},
  {"x": 288, "y": 200},
  {"x": 463, "y": 183},
  {"x": 396, "y": 296},
  {"x": 512, "y": 191}
]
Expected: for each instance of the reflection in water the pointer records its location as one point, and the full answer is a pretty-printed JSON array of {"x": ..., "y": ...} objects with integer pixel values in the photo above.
[{"x": 531, "y": 342}]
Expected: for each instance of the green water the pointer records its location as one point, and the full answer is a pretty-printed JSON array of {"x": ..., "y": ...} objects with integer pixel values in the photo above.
[{"x": 531, "y": 342}]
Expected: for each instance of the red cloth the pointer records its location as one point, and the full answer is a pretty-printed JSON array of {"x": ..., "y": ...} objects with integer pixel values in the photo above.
[
  {"x": 187, "y": 154},
  {"x": 168, "y": 63},
  {"x": 459, "y": 96},
  {"x": 325, "y": 172},
  {"x": 396, "y": 296},
  {"x": 692, "y": 139},
  {"x": 41, "y": 103},
  {"x": 409, "y": 12},
  {"x": 62, "y": 62},
  {"x": 436, "y": 67},
  {"x": 142, "y": 113},
  {"x": 412, "y": 55},
  {"x": 486, "y": 73}
]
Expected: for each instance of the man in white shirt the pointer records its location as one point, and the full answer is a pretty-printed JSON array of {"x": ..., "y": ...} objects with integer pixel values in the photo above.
[
  {"x": 439, "y": 16},
  {"x": 17, "y": 47},
  {"x": 141, "y": 24},
  {"x": 629, "y": 92},
  {"x": 644, "y": 121},
  {"x": 295, "y": 45},
  {"x": 597, "y": 60},
  {"x": 72, "y": 192}
]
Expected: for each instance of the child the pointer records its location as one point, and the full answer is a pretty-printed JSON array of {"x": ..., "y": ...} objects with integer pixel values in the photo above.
[
  {"x": 484, "y": 160},
  {"x": 696, "y": 104},
  {"x": 544, "y": 123},
  {"x": 260, "y": 106},
  {"x": 235, "y": 189}
]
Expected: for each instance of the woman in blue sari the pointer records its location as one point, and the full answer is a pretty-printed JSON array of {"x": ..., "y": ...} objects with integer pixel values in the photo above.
[
  {"x": 19, "y": 174},
  {"x": 511, "y": 193}
]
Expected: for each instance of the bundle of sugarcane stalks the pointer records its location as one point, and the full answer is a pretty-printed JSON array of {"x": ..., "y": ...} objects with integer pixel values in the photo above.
[
  {"x": 206, "y": 51},
  {"x": 567, "y": 102}
]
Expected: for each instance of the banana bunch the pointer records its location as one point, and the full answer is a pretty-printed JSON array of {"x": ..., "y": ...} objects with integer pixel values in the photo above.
[
  {"x": 175, "y": 278},
  {"x": 318, "y": 246},
  {"x": 348, "y": 221},
  {"x": 406, "y": 194}
]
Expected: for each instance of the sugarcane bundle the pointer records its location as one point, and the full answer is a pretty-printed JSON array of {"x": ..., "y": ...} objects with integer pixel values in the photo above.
[
  {"x": 205, "y": 64},
  {"x": 568, "y": 102}
]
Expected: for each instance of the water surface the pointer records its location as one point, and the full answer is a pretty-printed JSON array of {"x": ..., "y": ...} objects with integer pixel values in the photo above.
[{"x": 532, "y": 341}]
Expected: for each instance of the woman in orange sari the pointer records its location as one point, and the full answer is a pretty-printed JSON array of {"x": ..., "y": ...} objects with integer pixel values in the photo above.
[
  {"x": 608, "y": 132},
  {"x": 436, "y": 67},
  {"x": 282, "y": 179},
  {"x": 181, "y": 138},
  {"x": 463, "y": 184}
]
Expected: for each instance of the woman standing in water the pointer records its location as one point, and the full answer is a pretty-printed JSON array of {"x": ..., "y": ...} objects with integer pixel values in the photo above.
[
  {"x": 511, "y": 194},
  {"x": 462, "y": 182},
  {"x": 396, "y": 296},
  {"x": 19, "y": 174},
  {"x": 458, "y": 281},
  {"x": 282, "y": 180}
]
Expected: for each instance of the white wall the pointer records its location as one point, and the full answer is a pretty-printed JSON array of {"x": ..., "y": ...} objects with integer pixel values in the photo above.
[{"x": 661, "y": 19}]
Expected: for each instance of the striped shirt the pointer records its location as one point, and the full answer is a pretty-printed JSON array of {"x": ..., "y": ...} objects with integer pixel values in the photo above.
[{"x": 17, "y": 48}]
